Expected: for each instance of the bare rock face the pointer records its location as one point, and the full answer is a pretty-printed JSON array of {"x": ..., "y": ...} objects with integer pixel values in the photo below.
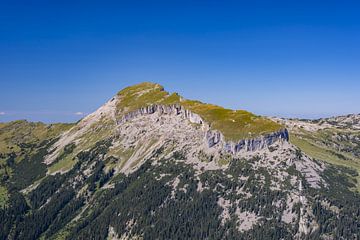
[
  {"x": 167, "y": 127},
  {"x": 258, "y": 143},
  {"x": 163, "y": 109},
  {"x": 212, "y": 137}
]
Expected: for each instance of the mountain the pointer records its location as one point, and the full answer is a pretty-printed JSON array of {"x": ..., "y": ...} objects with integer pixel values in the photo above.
[
  {"x": 334, "y": 140},
  {"x": 152, "y": 165}
]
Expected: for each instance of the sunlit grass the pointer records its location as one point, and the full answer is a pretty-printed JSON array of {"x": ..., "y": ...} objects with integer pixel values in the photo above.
[
  {"x": 63, "y": 165},
  {"x": 4, "y": 197},
  {"x": 234, "y": 124},
  {"x": 307, "y": 144}
]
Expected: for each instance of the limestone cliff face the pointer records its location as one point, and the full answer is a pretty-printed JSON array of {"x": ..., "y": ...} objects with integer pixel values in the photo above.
[
  {"x": 212, "y": 137},
  {"x": 163, "y": 109},
  {"x": 258, "y": 143}
]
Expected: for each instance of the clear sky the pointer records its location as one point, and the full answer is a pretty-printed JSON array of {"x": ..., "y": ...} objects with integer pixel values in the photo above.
[{"x": 59, "y": 59}]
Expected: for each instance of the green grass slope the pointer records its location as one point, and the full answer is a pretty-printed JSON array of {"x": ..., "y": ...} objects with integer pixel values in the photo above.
[
  {"x": 22, "y": 147},
  {"x": 323, "y": 145},
  {"x": 14, "y": 135}
]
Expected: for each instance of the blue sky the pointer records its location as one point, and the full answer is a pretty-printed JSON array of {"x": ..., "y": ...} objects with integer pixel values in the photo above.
[{"x": 284, "y": 58}]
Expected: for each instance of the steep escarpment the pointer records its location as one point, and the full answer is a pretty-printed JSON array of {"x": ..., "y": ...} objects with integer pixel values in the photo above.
[
  {"x": 162, "y": 109},
  {"x": 212, "y": 137},
  {"x": 258, "y": 143},
  {"x": 233, "y": 124}
]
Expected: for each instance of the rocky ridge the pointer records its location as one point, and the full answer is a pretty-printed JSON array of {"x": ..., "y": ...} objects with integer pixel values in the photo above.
[
  {"x": 351, "y": 121},
  {"x": 212, "y": 137}
]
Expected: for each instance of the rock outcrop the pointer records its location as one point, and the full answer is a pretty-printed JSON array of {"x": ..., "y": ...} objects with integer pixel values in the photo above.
[
  {"x": 257, "y": 143},
  {"x": 163, "y": 109},
  {"x": 212, "y": 137}
]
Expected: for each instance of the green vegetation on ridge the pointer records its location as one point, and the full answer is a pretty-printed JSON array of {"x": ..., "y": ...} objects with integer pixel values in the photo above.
[{"x": 234, "y": 124}]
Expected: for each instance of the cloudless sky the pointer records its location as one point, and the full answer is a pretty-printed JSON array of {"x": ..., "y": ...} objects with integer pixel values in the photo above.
[{"x": 284, "y": 58}]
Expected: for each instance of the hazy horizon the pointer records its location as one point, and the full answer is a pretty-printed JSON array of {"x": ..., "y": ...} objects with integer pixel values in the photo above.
[
  {"x": 60, "y": 62},
  {"x": 38, "y": 116}
]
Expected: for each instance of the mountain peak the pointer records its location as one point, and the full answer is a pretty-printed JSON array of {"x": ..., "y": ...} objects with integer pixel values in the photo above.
[
  {"x": 143, "y": 94},
  {"x": 233, "y": 124},
  {"x": 144, "y": 86}
]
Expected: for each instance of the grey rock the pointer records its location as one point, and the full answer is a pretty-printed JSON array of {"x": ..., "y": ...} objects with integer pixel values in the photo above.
[{"x": 212, "y": 137}]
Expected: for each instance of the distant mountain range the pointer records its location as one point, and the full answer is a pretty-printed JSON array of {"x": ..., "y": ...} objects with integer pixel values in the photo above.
[{"x": 152, "y": 165}]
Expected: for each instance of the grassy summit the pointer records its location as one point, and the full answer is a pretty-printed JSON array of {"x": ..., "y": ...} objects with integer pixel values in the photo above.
[{"x": 234, "y": 124}]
